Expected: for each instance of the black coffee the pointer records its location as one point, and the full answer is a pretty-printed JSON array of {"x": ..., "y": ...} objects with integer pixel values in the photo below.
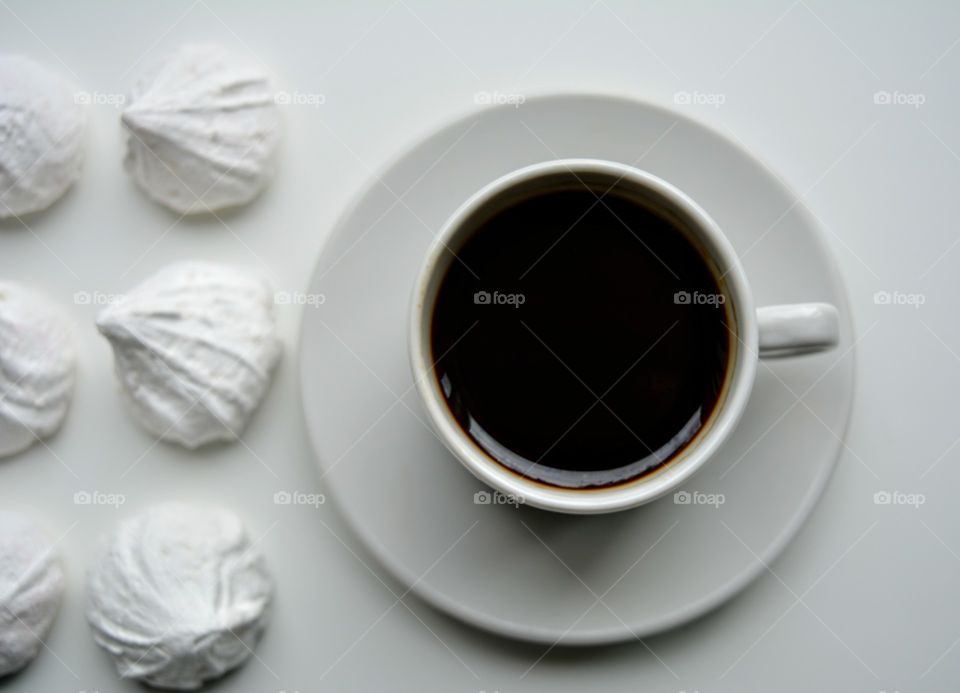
[{"x": 580, "y": 343}]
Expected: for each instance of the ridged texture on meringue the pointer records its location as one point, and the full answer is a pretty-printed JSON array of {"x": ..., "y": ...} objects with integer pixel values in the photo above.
[
  {"x": 36, "y": 368},
  {"x": 41, "y": 136},
  {"x": 202, "y": 125},
  {"x": 31, "y": 586},
  {"x": 179, "y": 596},
  {"x": 194, "y": 349}
]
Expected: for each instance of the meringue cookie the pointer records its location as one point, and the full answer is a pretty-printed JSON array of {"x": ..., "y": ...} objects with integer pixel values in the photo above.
[
  {"x": 179, "y": 596},
  {"x": 36, "y": 368},
  {"x": 41, "y": 136},
  {"x": 194, "y": 348},
  {"x": 31, "y": 585},
  {"x": 202, "y": 131}
]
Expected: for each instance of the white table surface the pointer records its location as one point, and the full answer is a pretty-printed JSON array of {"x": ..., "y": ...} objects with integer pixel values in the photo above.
[{"x": 863, "y": 600}]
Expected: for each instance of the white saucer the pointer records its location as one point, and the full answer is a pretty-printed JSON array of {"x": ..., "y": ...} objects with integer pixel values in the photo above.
[{"x": 527, "y": 573}]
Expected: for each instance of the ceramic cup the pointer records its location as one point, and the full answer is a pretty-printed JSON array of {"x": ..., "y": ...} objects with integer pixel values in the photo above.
[{"x": 769, "y": 331}]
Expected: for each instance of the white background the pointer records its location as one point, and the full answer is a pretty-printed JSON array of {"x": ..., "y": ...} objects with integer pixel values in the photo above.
[{"x": 877, "y": 583}]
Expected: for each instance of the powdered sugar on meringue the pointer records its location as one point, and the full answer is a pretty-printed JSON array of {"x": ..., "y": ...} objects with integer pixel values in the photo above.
[
  {"x": 41, "y": 136},
  {"x": 194, "y": 347}
]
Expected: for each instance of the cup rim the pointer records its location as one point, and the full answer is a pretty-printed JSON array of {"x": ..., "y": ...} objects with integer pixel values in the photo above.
[{"x": 645, "y": 488}]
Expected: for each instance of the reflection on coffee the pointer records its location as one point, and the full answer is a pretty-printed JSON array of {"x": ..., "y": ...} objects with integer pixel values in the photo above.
[{"x": 580, "y": 343}]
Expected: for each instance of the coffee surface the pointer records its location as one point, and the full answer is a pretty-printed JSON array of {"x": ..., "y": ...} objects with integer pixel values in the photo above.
[{"x": 577, "y": 342}]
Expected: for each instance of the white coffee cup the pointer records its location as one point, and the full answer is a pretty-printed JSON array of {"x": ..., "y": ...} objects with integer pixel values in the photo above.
[{"x": 770, "y": 331}]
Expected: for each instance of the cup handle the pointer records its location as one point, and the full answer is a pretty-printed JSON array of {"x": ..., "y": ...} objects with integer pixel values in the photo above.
[{"x": 797, "y": 328}]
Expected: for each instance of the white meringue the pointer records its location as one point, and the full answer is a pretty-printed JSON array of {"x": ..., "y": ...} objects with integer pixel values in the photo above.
[
  {"x": 203, "y": 128},
  {"x": 179, "y": 596},
  {"x": 31, "y": 585},
  {"x": 194, "y": 347},
  {"x": 36, "y": 368},
  {"x": 41, "y": 136}
]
